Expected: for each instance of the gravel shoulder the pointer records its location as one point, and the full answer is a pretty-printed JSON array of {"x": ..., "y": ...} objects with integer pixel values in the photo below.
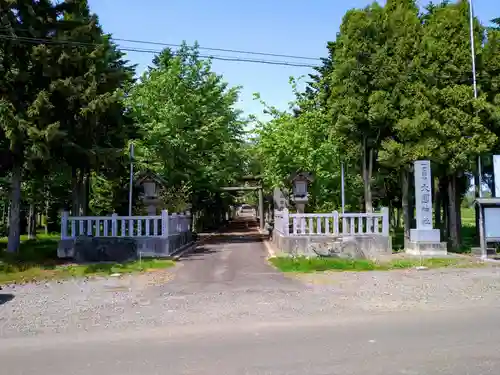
[
  {"x": 150, "y": 301},
  {"x": 229, "y": 281}
]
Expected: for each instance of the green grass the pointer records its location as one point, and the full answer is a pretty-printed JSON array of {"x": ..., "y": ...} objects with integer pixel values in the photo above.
[
  {"x": 22, "y": 273},
  {"x": 468, "y": 217},
  {"x": 42, "y": 250},
  {"x": 307, "y": 265},
  {"x": 37, "y": 260}
]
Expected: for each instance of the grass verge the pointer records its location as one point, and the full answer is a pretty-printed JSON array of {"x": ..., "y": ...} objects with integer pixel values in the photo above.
[
  {"x": 37, "y": 260},
  {"x": 307, "y": 265},
  {"x": 23, "y": 273}
]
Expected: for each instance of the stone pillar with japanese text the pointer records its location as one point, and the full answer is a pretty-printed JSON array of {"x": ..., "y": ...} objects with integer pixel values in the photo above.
[{"x": 424, "y": 239}]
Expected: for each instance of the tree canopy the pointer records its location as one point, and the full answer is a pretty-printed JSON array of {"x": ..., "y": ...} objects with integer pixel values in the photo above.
[
  {"x": 189, "y": 130},
  {"x": 396, "y": 87}
]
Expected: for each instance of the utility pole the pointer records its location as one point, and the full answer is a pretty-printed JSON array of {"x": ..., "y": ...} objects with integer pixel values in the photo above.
[
  {"x": 131, "y": 182},
  {"x": 482, "y": 242}
]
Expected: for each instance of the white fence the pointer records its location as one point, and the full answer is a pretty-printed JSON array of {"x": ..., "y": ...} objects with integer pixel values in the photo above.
[
  {"x": 164, "y": 225},
  {"x": 332, "y": 224}
]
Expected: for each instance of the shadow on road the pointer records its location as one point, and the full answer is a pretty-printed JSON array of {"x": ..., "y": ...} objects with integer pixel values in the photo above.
[
  {"x": 6, "y": 297},
  {"x": 239, "y": 231},
  {"x": 235, "y": 238},
  {"x": 197, "y": 253}
]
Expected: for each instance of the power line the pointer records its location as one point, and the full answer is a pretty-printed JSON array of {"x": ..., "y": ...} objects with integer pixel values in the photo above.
[
  {"x": 152, "y": 51},
  {"x": 296, "y": 57},
  {"x": 220, "y": 49}
]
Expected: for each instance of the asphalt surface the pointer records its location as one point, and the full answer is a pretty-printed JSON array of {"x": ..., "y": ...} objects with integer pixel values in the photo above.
[
  {"x": 459, "y": 341},
  {"x": 424, "y": 344},
  {"x": 233, "y": 261}
]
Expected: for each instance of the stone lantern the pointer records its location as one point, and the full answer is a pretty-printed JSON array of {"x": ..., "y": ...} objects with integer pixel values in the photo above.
[
  {"x": 151, "y": 185},
  {"x": 300, "y": 184}
]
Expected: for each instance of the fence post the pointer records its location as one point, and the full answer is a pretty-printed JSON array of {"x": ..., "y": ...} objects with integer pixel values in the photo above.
[
  {"x": 183, "y": 222},
  {"x": 131, "y": 226},
  {"x": 286, "y": 222},
  {"x": 385, "y": 221},
  {"x": 335, "y": 223},
  {"x": 175, "y": 222},
  {"x": 164, "y": 223},
  {"x": 64, "y": 225},
  {"x": 188, "y": 221},
  {"x": 114, "y": 225}
]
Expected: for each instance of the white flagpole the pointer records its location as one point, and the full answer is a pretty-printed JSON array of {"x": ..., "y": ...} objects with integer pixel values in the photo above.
[{"x": 482, "y": 242}]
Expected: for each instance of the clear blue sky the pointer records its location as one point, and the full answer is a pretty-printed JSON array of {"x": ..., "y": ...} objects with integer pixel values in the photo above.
[{"x": 290, "y": 27}]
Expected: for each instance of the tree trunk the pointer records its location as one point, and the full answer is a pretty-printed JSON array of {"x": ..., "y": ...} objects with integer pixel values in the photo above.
[
  {"x": 32, "y": 222},
  {"x": 15, "y": 209},
  {"x": 458, "y": 212},
  {"x": 47, "y": 216},
  {"x": 369, "y": 199},
  {"x": 454, "y": 230},
  {"x": 4, "y": 214},
  {"x": 407, "y": 218},
  {"x": 493, "y": 188},
  {"x": 437, "y": 205},
  {"x": 75, "y": 193},
  {"x": 443, "y": 193},
  {"x": 392, "y": 216},
  {"x": 398, "y": 217},
  {"x": 52, "y": 219},
  {"x": 78, "y": 194},
  {"x": 367, "y": 166},
  {"x": 86, "y": 194},
  {"x": 476, "y": 207}
]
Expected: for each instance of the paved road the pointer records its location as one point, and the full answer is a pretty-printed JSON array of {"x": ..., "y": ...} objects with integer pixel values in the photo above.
[
  {"x": 465, "y": 342},
  {"x": 234, "y": 261}
]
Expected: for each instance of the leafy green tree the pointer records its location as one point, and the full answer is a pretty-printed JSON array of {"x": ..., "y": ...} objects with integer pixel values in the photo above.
[
  {"x": 190, "y": 132},
  {"x": 302, "y": 142}
]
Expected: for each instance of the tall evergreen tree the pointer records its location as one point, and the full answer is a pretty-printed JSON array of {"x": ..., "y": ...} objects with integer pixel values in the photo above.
[{"x": 24, "y": 84}]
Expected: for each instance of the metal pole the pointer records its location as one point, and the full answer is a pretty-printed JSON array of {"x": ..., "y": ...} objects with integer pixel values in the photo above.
[
  {"x": 472, "y": 48},
  {"x": 261, "y": 209},
  {"x": 342, "y": 186},
  {"x": 482, "y": 242},
  {"x": 131, "y": 151}
]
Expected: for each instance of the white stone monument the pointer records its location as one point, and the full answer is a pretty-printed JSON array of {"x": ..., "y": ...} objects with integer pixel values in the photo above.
[{"x": 424, "y": 240}]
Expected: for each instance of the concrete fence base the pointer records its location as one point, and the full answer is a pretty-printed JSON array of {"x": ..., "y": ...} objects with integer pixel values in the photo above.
[
  {"x": 364, "y": 246},
  {"x": 146, "y": 246}
]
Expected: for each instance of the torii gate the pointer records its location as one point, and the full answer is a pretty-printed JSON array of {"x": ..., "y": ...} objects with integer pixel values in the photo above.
[{"x": 257, "y": 180}]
